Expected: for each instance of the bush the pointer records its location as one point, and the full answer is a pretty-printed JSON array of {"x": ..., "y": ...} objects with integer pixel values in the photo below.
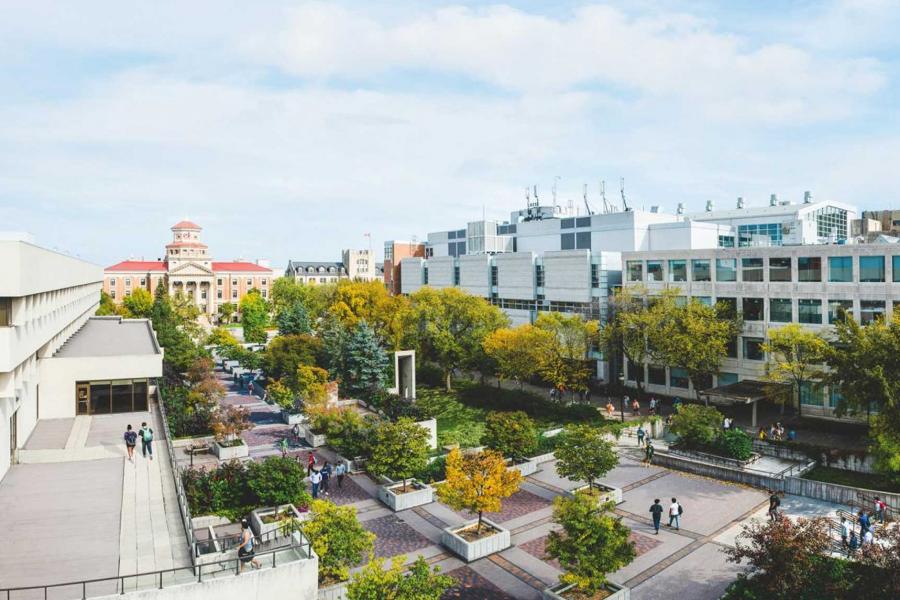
[
  {"x": 278, "y": 480},
  {"x": 185, "y": 417},
  {"x": 338, "y": 538},
  {"x": 399, "y": 451},
  {"x": 735, "y": 444},
  {"x": 511, "y": 433},
  {"x": 697, "y": 425},
  {"x": 546, "y": 444},
  {"x": 347, "y": 431},
  {"x": 434, "y": 471}
]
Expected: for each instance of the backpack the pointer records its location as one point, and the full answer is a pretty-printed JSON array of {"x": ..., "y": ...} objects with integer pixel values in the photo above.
[
  {"x": 147, "y": 435},
  {"x": 680, "y": 510}
]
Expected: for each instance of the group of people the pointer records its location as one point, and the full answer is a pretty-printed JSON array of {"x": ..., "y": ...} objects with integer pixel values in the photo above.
[
  {"x": 321, "y": 478},
  {"x": 145, "y": 433},
  {"x": 654, "y": 406},
  {"x": 675, "y": 512},
  {"x": 850, "y": 541},
  {"x": 776, "y": 432}
]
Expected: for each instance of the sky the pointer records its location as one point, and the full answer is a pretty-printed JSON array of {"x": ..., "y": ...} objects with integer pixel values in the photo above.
[{"x": 289, "y": 130}]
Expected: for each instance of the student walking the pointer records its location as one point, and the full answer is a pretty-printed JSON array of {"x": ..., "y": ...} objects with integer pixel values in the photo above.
[
  {"x": 654, "y": 403},
  {"x": 636, "y": 407},
  {"x": 640, "y": 435},
  {"x": 310, "y": 463},
  {"x": 245, "y": 550},
  {"x": 864, "y": 523},
  {"x": 340, "y": 470},
  {"x": 648, "y": 453},
  {"x": 880, "y": 507},
  {"x": 146, "y": 434},
  {"x": 774, "y": 503},
  {"x": 326, "y": 476},
  {"x": 846, "y": 530},
  {"x": 130, "y": 441},
  {"x": 675, "y": 512},
  {"x": 609, "y": 408},
  {"x": 656, "y": 510},
  {"x": 315, "y": 479}
]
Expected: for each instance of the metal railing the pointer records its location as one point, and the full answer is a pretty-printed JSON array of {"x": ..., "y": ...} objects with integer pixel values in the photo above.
[
  {"x": 284, "y": 531},
  {"x": 123, "y": 584}
]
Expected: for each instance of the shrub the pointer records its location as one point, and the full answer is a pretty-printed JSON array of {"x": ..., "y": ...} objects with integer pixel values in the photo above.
[
  {"x": 511, "y": 433},
  {"x": 347, "y": 431},
  {"x": 278, "y": 480},
  {"x": 434, "y": 471},
  {"x": 736, "y": 444},
  {"x": 281, "y": 395},
  {"x": 697, "y": 425},
  {"x": 186, "y": 416},
  {"x": 338, "y": 538},
  {"x": 221, "y": 491},
  {"x": 375, "y": 582}
]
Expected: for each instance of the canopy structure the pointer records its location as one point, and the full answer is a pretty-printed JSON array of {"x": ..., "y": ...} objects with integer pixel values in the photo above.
[{"x": 747, "y": 391}]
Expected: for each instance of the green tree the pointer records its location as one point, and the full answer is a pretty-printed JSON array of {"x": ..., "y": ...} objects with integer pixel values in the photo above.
[
  {"x": 338, "y": 538},
  {"x": 278, "y": 480},
  {"x": 310, "y": 384},
  {"x": 374, "y": 582},
  {"x": 226, "y": 312},
  {"x": 107, "y": 306},
  {"x": 400, "y": 450},
  {"x": 254, "y": 316},
  {"x": 697, "y": 425},
  {"x": 365, "y": 363},
  {"x": 511, "y": 433},
  {"x": 221, "y": 338},
  {"x": 180, "y": 350},
  {"x": 517, "y": 352},
  {"x": 591, "y": 544},
  {"x": 282, "y": 395},
  {"x": 628, "y": 329},
  {"x": 795, "y": 355},
  {"x": 139, "y": 304},
  {"x": 564, "y": 361},
  {"x": 187, "y": 313},
  {"x": 369, "y": 301},
  {"x": 584, "y": 454},
  {"x": 294, "y": 320},
  {"x": 287, "y": 352}
]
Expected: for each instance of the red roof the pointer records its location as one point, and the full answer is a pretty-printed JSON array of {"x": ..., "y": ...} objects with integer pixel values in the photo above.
[
  {"x": 242, "y": 267},
  {"x": 141, "y": 266},
  {"x": 186, "y": 225}
]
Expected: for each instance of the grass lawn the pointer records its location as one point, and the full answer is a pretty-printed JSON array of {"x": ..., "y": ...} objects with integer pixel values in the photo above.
[{"x": 866, "y": 481}]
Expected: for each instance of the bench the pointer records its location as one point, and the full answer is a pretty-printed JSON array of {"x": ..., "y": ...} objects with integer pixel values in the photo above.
[{"x": 193, "y": 449}]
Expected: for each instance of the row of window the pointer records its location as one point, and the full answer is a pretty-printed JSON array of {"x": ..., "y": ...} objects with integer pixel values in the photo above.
[
  {"x": 219, "y": 281},
  {"x": 809, "y": 269},
  {"x": 809, "y": 310},
  {"x": 596, "y": 276}
]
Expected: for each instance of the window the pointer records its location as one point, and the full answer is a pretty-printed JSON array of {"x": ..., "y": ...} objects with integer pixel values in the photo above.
[
  {"x": 143, "y": 281},
  {"x": 678, "y": 378},
  {"x": 583, "y": 222},
  {"x": 234, "y": 294},
  {"x": 425, "y": 275},
  {"x": 780, "y": 269},
  {"x": 809, "y": 268},
  {"x": 494, "y": 275},
  {"x": 809, "y": 311},
  {"x": 869, "y": 310},
  {"x": 455, "y": 275},
  {"x": 567, "y": 241},
  {"x": 634, "y": 372},
  {"x": 203, "y": 295},
  {"x": 567, "y": 223},
  {"x": 895, "y": 268},
  {"x": 595, "y": 276},
  {"x": 700, "y": 270},
  {"x": 656, "y": 375},
  {"x": 219, "y": 294},
  {"x": 753, "y": 309},
  {"x": 726, "y": 241},
  {"x": 704, "y": 300},
  {"x": 768, "y": 232},
  {"x": 731, "y": 348},
  {"x": 234, "y": 282},
  {"x": 727, "y": 307},
  {"x": 836, "y": 396},
  {"x": 780, "y": 310},
  {"x": 219, "y": 281},
  {"x": 725, "y": 269},
  {"x": 112, "y": 281},
  {"x": 583, "y": 240},
  {"x": 112, "y": 294},
  {"x": 871, "y": 269},
  {"x": 811, "y": 394},
  {"x": 127, "y": 281},
  {"x": 727, "y": 378},
  {"x": 263, "y": 282},
  {"x": 5, "y": 312},
  {"x": 263, "y": 293},
  {"x": 249, "y": 282},
  {"x": 840, "y": 269},
  {"x": 753, "y": 349},
  {"x": 677, "y": 270},
  {"x": 539, "y": 275},
  {"x": 635, "y": 270},
  {"x": 752, "y": 269},
  {"x": 654, "y": 270},
  {"x": 838, "y": 309}
]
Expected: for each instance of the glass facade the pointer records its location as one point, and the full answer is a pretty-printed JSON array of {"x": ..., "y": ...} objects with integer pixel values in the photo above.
[
  {"x": 871, "y": 269},
  {"x": 116, "y": 396},
  {"x": 726, "y": 269},
  {"x": 704, "y": 300},
  {"x": 746, "y": 233},
  {"x": 700, "y": 270},
  {"x": 753, "y": 309},
  {"x": 836, "y": 308},
  {"x": 753, "y": 349},
  {"x": 654, "y": 270},
  {"x": 895, "y": 268},
  {"x": 809, "y": 268},
  {"x": 677, "y": 270},
  {"x": 726, "y": 241},
  {"x": 809, "y": 311},
  {"x": 752, "y": 269},
  {"x": 780, "y": 310},
  {"x": 812, "y": 394},
  {"x": 869, "y": 310},
  {"x": 635, "y": 270},
  {"x": 780, "y": 269},
  {"x": 727, "y": 378},
  {"x": 656, "y": 375},
  {"x": 831, "y": 221},
  {"x": 678, "y": 378},
  {"x": 840, "y": 269}
]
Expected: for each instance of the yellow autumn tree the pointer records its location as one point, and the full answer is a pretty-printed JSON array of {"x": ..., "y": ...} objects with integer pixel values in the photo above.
[
  {"x": 518, "y": 351},
  {"x": 478, "y": 482}
]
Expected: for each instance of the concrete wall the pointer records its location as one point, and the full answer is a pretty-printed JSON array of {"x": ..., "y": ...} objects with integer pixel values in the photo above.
[
  {"x": 475, "y": 274},
  {"x": 411, "y": 275},
  {"x": 440, "y": 272},
  {"x": 567, "y": 276},
  {"x": 515, "y": 275}
]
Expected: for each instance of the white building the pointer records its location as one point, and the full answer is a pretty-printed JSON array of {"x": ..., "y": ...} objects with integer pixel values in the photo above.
[
  {"x": 360, "y": 265},
  {"x": 51, "y": 350}
]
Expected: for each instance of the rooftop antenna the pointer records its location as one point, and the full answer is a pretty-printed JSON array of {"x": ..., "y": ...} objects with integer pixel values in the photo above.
[
  {"x": 555, "y": 179},
  {"x": 622, "y": 191},
  {"x": 536, "y": 201},
  {"x": 606, "y": 210},
  {"x": 586, "y": 203}
]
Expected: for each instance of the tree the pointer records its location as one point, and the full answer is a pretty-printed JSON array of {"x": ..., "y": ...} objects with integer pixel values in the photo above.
[
  {"x": 282, "y": 395},
  {"x": 449, "y": 326},
  {"x": 511, "y": 433},
  {"x": 338, "y": 538},
  {"x": 138, "y": 304},
  {"x": 697, "y": 425},
  {"x": 229, "y": 422},
  {"x": 226, "y": 312},
  {"x": 584, "y": 454},
  {"x": 203, "y": 382},
  {"x": 478, "y": 482},
  {"x": 628, "y": 328},
  {"x": 399, "y": 451},
  {"x": 795, "y": 358},
  {"x": 294, "y": 320},
  {"x": 220, "y": 338},
  {"x": 365, "y": 364},
  {"x": 107, "y": 306},
  {"x": 517, "y": 351},
  {"x": 254, "y": 316},
  {"x": 564, "y": 361},
  {"x": 180, "y": 350},
  {"x": 287, "y": 352},
  {"x": 187, "y": 313},
  {"x": 883, "y": 559},
  {"x": 369, "y": 301},
  {"x": 278, "y": 480},
  {"x": 591, "y": 544},
  {"x": 310, "y": 384},
  {"x": 374, "y": 582}
]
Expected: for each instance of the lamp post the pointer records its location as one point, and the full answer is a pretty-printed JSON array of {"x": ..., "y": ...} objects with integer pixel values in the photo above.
[{"x": 622, "y": 393}]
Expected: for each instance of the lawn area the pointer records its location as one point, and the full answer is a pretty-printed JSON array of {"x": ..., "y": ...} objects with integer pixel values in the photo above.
[
  {"x": 460, "y": 414},
  {"x": 866, "y": 481}
]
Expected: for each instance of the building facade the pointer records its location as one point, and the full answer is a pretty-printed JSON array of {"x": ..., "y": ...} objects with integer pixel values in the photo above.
[
  {"x": 189, "y": 269},
  {"x": 358, "y": 265},
  {"x": 394, "y": 253}
]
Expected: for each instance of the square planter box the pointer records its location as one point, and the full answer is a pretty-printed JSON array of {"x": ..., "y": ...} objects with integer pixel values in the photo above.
[
  {"x": 231, "y": 452},
  {"x": 529, "y": 467},
  {"x": 556, "y": 592},
  {"x": 292, "y": 418},
  {"x": 264, "y": 530},
  {"x": 357, "y": 465},
  {"x": 417, "y": 494},
  {"x": 469, "y": 551},
  {"x": 607, "y": 493},
  {"x": 312, "y": 438}
]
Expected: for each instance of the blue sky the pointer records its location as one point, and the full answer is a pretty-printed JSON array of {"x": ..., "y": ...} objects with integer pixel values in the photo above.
[{"x": 291, "y": 129}]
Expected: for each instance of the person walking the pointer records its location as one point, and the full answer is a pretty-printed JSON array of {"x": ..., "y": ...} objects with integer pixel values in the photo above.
[
  {"x": 774, "y": 503},
  {"x": 146, "y": 434},
  {"x": 640, "y": 435},
  {"x": 245, "y": 550},
  {"x": 654, "y": 403},
  {"x": 880, "y": 507},
  {"x": 648, "y": 453},
  {"x": 609, "y": 408},
  {"x": 656, "y": 510},
  {"x": 676, "y": 403},
  {"x": 310, "y": 462},
  {"x": 326, "y": 476},
  {"x": 675, "y": 512},
  {"x": 846, "y": 529},
  {"x": 868, "y": 538},
  {"x": 315, "y": 478},
  {"x": 130, "y": 441},
  {"x": 854, "y": 542},
  {"x": 864, "y": 523},
  {"x": 340, "y": 470},
  {"x": 636, "y": 407}
]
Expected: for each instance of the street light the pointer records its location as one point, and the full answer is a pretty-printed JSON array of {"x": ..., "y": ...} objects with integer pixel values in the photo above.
[{"x": 622, "y": 393}]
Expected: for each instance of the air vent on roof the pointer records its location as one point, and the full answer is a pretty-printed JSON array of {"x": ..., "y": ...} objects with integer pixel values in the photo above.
[
  {"x": 773, "y": 200},
  {"x": 740, "y": 202},
  {"x": 709, "y": 205},
  {"x": 807, "y": 197}
]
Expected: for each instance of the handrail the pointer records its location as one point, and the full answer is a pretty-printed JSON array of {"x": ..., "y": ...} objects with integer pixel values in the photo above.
[{"x": 228, "y": 542}]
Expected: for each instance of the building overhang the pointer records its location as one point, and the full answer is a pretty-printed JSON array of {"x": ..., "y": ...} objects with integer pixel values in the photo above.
[{"x": 747, "y": 391}]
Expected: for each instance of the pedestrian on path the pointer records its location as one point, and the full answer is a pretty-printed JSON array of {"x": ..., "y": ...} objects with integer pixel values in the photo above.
[
  {"x": 636, "y": 407},
  {"x": 676, "y": 403},
  {"x": 640, "y": 435},
  {"x": 315, "y": 479},
  {"x": 774, "y": 503},
  {"x": 283, "y": 446},
  {"x": 654, "y": 403},
  {"x": 656, "y": 510},
  {"x": 864, "y": 523},
  {"x": 854, "y": 542},
  {"x": 310, "y": 462},
  {"x": 609, "y": 408},
  {"x": 340, "y": 470},
  {"x": 326, "y": 477},
  {"x": 846, "y": 530},
  {"x": 880, "y": 507},
  {"x": 146, "y": 434},
  {"x": 675, "y": 512},
  {"x": 130, "y": 441},
  {"x": 868, "y": 538},
  {"x": 648, "y": 453},
  {"x": 245, "y": 550}
]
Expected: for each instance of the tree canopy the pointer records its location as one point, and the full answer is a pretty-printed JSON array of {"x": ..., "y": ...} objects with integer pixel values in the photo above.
[
  {"x": 400, "y": 450},
  {"x": 795, "y": 355},
  {"x": 254, "y": 316},
  {"x": 518, "y": 351},
  {"x": 584, "y": 454},
  {"x": 375, "y": 582},
  {"x": 138, "y": 304},
  {"x": 478, "y": 482},
  {"x": 565, "y": 363}
]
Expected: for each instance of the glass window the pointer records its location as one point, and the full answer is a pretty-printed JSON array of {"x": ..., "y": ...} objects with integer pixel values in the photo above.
[
  {"x": 656, "y": 375},
  {"x": 634, "y": 371},
  {"x": 809, "y": 268},
  {"x": 731, "y": 348},
  {"x": 895, "y": 268},
  {"x": 726, "y": 241},
  {"x": 727, "y": 307},
  {"x": 753, "y": 349},
  {"x": 700, "y": 269},
  {"x": 704, "y": 300},
  {"x": 812, "y": 394},
  {"x": 869, "y": 310},
  {"x": 583, "y": 240},
  {"x": 726, "y": 269},
  {"x": 768, "y": 233},
  {"x": 677, "y": 270},
  {"x": 727, "y": 378},
  {"x": 567, "y": 241},
  {"x": 836, "y": 396},
  {"x": 871, "y": 269},
  {"x": 809, "y": 311},
  {"x": 780, "y": 269},
  {"x": 678, "y": 378},
  {"x": 5, "y": 312},
  {"x": 780, "y": 310},
  {"x": 654, "y": 270},
  {"x": 838, "y": 308},
  {"x": 840, "y": 269},
  {"x": 635, "y": 270},
  {"x": 752, "y": 269},
  {"x": 753, "y": 309}
]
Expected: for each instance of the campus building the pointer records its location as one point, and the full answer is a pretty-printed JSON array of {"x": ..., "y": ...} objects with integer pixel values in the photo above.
[
  {"x": 358, "y": 265},
  {"x": 394, "y": 253},
  {"x": 56, "y": 359},
  {"x": 189, "y": 269}
]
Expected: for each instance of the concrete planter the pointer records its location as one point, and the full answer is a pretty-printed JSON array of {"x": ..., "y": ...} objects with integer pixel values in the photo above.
[
  {"x": 337, "y": 591},
  {"x": 469, "y": 551},
  {"x": 529, "y": 467},
  {"x": 313, "y": 438},
  {"x": 420, "y": 494},
  {"x": 557, "y": 592},
  {"x": 714, "y": 458},
  {"x": 542, "y": 458},
  {"x": 292, "y": 418},
  {"x": 607, "y": 493},
  {"x": 264, "y": 530},
  {"x": 231, "y": 452},
  {"x": 356, "y": 465},
  {"x": 430, "y": 425}
]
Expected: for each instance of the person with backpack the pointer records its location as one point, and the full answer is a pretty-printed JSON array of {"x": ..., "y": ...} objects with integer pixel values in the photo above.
[
  {"x": 675, "y": 512},
  {"x": 146, "y": 434},
  {"x": 648, "y": 453},
  {"x": 340, "y": 470},
  {"x": 130, "y": 441},
  {"x": 656, "y": 510},
  {"x": 640, "y": 435},
  {"x": 774, "y": 503},
  {"x": 310, "y": 463}
]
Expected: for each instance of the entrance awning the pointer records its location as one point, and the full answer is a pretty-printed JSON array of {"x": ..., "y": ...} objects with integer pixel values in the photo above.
[{"x": 742, "y": 392}]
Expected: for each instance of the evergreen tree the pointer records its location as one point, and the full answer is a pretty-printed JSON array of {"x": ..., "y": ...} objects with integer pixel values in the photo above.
[
  {"x": 107, "y": 305},
  {"x": 294, "y": 320},
  {"x": 180, "y": 351},
  {"x": 366, "y": 364}
]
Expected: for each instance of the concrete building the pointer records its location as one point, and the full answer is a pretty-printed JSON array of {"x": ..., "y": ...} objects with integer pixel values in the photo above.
[
  {"x": 360, "y": 265},
  {"x": 394, "y": 253},
  {"x": 55, "y": 359},
  {"x": 311, "y": 272},
  {"x": 770, "y": 286},
  {"x": 189, "y": 269}
]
